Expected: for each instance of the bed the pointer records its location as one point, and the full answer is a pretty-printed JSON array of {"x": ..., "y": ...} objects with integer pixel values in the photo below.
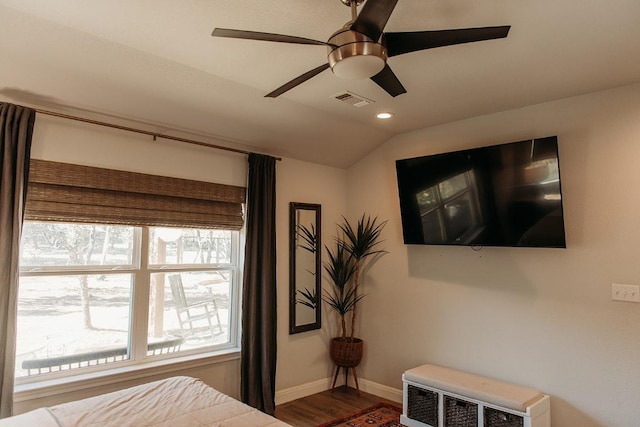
[{"x": 173, "y": 402}]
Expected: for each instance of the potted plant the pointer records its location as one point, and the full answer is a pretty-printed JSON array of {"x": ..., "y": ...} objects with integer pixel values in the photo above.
[{"x": 353, "y": 248}]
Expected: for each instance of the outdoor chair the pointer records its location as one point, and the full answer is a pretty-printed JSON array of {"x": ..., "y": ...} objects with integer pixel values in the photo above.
[{"x": 190, "y": 313}]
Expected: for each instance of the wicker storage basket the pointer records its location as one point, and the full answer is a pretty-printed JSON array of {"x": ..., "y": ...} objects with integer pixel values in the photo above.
[
  {"x": 497, "y": 418},
  {"x": 422, "y": 405},
  {"x": 459, "y": 413},
  {"x": 346, "y": 353}
]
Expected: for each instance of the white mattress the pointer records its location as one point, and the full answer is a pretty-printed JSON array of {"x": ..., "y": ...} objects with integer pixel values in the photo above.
[{"x": 177, "y": 401}]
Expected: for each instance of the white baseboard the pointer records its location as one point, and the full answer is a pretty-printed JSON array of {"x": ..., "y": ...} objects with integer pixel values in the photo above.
[
  {"x": 381, "y": 390},
  {"x": 303, "y": 390}
]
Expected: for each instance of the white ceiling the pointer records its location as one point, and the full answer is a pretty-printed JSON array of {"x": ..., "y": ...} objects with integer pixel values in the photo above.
[{"x": 154, "y": 62}]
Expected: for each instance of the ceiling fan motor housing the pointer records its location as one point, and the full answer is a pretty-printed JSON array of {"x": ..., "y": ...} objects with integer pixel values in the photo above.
[{"x": 353, "y": 55}]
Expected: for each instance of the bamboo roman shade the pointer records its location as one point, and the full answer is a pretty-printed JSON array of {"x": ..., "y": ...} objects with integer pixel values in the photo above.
[{"x": 75, "y": 193}]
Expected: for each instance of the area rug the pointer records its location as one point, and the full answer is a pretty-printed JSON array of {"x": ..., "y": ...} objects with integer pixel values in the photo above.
[{"x": 380, "y": 415}]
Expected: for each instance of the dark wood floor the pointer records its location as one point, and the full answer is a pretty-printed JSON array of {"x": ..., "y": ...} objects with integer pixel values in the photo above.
[{"x": 319, "y": 408}]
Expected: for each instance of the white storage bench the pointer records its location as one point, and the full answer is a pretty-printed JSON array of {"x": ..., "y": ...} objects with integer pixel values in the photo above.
[{"x": 435, "y": 396}]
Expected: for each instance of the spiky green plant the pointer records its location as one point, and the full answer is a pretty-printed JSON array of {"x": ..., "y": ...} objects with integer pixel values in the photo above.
[
  {"x": 340, "y": 268},
  {"x": 308, "y": 238},
  {"x": 360, "y": 243},
  {"x": 308, "y": 298}
]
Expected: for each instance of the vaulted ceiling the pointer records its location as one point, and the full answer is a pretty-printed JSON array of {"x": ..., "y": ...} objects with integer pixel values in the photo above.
[{"x": 154, "y": 63}]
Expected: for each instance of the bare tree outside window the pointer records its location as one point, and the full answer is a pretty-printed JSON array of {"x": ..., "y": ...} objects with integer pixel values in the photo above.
[{"x": 79, "y": 242}]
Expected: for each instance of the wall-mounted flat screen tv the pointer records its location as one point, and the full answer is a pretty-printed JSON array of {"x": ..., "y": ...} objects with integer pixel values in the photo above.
[{"x": 501, "y": 195}]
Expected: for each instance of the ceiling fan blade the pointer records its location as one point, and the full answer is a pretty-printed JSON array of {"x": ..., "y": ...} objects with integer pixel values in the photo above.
[
  {"x": 400, "y": 43},
  {"x": 295, "y": 82},
  {"x": 388, "y": 81},
  {"x": 373, "y": 17},
  {"x": 269, "y": 37}
]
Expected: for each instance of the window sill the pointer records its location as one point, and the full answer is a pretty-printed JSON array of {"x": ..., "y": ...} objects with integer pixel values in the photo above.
[{"x": 79, "y": 382}]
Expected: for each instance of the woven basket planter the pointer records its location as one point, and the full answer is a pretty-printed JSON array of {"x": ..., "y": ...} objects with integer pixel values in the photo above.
[{"x": 346, "y": 353}]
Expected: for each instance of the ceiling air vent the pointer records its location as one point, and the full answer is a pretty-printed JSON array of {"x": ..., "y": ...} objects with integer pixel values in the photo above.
[{"x": 352, "y": 99}]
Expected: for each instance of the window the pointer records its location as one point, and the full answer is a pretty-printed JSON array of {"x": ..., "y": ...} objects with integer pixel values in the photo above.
[
  {"x": 449, "y": 209},
  {"x": 94, "y": 296}
]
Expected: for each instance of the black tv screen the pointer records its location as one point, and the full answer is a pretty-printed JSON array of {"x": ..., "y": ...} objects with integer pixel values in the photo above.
[{"x": 501, "y": 195}]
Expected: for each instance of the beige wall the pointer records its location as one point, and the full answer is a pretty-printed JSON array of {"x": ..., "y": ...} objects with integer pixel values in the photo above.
[
  {"x": 304, "y": 358},
  {"x": 68, "y": 141},
  {"x": 538, "y": 317}
]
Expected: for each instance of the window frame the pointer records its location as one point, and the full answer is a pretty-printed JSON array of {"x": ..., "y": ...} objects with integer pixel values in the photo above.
[
  {"x": 141, "y": 271},
  {"x": 441, "y": 202}
]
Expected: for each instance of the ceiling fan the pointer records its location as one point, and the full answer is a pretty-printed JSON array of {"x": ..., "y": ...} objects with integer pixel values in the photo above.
[{"x": 360, "y": 49}]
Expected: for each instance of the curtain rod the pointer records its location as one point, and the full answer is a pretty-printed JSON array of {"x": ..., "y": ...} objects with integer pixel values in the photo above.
[{"x": 143, "y": 132}]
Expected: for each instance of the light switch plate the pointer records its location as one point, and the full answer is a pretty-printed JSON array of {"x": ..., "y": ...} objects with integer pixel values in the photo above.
[{"x": 629, "y": 293}]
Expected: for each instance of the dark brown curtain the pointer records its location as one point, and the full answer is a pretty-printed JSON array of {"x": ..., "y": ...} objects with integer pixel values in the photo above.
[
  {"x": 258, "y": 362},
  {"x": 16, "y": 130}
]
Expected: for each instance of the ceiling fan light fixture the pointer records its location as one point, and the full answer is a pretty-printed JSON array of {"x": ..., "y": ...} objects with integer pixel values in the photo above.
[
  {"x": 358, "y": 67},
  {"x": 353, "y": 55}
]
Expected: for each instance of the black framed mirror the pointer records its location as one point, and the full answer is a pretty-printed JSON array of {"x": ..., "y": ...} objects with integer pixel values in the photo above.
[{"x": 304, "y": 267}]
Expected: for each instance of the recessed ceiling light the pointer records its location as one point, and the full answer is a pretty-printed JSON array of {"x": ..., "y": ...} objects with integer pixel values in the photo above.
[{"x": 384, "y": 116}]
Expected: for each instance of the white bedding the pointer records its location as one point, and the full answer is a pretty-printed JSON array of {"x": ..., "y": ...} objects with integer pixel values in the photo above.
[{"x": 174, "y": 402}]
